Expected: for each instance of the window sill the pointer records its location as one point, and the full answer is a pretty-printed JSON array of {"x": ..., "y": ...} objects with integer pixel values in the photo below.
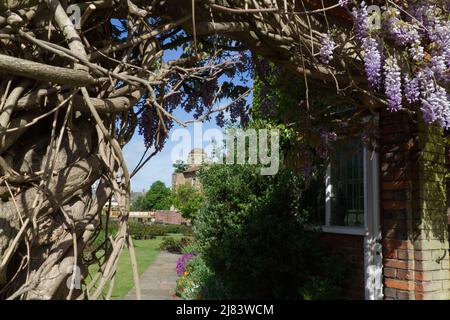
[{"x": 345, "y": 230}]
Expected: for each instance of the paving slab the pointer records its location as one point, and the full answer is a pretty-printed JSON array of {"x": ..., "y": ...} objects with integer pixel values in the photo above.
[{"x": 158, "y": 282}]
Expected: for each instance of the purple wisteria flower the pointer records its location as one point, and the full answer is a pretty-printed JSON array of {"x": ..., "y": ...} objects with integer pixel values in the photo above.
[
  {"x": 411, "y": 89},
  {"x": 439, "y": 67},
  {"x": 416, "y": 51},
  {"x": 361, "y": 22},
  {"x": 328, "y": 136},
  {"x": 438, "y": 29},
  {"x": 372, "y": 62},
  {"x": 326, "y": 51},
  {"x": 181, "y": 263},
  {"x": 326, "y": 139},
  {"x": 393, "y": 84},
  {"x": 435, "y": 100},
  {"x": 423, "y": 31},
  {"x": 401, "y": 31},
  {"x": 342, "y": 3}
]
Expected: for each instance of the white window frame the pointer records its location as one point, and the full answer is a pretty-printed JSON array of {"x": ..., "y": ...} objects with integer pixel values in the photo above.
[
  {"x": 371, "y": 231},
  {"x": 369, "y": 163}
]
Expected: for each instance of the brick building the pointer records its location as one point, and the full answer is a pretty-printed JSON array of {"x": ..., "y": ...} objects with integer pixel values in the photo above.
[{"x": 387, "y": 212}]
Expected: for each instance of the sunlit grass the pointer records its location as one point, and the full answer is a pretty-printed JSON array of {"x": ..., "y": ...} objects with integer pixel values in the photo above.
[{"x": 146, "y": 252}]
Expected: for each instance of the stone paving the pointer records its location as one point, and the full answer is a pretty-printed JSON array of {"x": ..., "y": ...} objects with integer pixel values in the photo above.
[{"x": 158, "y": 282}]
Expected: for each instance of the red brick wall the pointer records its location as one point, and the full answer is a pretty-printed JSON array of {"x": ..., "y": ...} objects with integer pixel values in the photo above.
[
  {"x": 169, "y": 217},
  {"x": 397, "y": 159},
  {"x": 412, "y": 169},
  {"x": 352, "y": 248},
  {"x": 447, "y": 166}
]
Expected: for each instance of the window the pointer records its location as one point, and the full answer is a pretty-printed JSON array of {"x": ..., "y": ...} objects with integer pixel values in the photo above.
[
  {"x": 347, "y": 186},
  {"x": 347, "y": 183}
]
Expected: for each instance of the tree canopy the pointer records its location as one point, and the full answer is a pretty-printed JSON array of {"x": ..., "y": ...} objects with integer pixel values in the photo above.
[
  {"x": 158, "y": 197},
  {"x": 188, "y": 200}
]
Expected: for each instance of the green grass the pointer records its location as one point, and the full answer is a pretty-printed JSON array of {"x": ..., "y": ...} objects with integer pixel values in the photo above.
[{"x": 146, "y": 252}]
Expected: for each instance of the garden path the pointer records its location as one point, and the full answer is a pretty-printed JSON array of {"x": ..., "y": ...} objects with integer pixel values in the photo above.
[{"x": 158, "y": 282}]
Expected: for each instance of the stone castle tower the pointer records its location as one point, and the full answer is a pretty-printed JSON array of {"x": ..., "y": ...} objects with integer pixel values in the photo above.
[{"x": 194, "y": 161}]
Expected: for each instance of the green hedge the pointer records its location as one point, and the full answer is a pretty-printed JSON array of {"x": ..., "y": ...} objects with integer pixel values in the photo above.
[
  {"x": 175, "y": 245},
  {"x": 254, "y": 242},
  {"x": 149, "y": 231},
  {"x": 138, "y": 231}
]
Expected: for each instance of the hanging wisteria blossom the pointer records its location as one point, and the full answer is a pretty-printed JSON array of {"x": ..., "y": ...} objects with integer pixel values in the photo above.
[
  {"x": 361, "y": 22},
  {"x": 372, "y": 62},
  {"x": 411, "y": 89},
  {"x": 393, "y": 84},
  {"x": 416, "y": 38},
  {"x": 326, "y": 52}
]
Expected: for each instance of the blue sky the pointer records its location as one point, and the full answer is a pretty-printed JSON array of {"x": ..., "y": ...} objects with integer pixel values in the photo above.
[{"x": 160, "y": 166}]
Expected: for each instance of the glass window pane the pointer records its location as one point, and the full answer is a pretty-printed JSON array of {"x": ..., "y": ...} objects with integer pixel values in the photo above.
[{"x": 347, "y": 184}]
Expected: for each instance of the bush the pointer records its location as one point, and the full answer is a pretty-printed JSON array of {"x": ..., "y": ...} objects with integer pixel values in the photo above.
[
  {"x": 176, "y": 228},
  {"x": 197, "y": 281},
  {"x": 327, "y": 283},
  {"x": 142, "y": 231},
  {"x": 188, "y": 200},
  {"x": 253, "y": 240},
  {"x": 138, "y": 230},
  {"x": 100, "y": 238},
  {"x": 174, "y": 245},
  {"x": 186, "y": 230},
  {"x": 149, "y": 231}
]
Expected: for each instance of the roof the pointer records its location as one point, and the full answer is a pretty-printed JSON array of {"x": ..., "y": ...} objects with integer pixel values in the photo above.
[
  {"x": 134, "y": 194},
  {"x": 196, "y": 150},
  {"x": 192, "y": 168}
]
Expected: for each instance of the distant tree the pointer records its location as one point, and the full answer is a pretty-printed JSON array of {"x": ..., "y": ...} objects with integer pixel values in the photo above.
[
  {"x": 138, "y": 203},
  {"x": 157, "y": 197},
  {"x": 188, "y": 200},
  {"x": 179, "y": 166}
]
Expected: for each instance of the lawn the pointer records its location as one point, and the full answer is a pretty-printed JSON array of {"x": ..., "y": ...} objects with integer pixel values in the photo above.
[{"x": 146, "y": 252}]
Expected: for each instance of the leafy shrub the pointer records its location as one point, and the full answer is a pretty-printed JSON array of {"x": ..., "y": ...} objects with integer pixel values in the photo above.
[
  {"x": 253, "y": 239},
  {"x": 198, "y": 281},
  {"x": 174, "y": 245},
  {"x": 176, "y": 228},
  {"x": 100, "y": 238},
  {"x": 190, "y": 247},
  {"x": 149, "y": 231},
  {"x": 138, "y": 231},
  {"x": 142, "y": 231},
  {"x": 327, "y": 283},
  {"x": 188, "y": 200},
  {"x": 318, "y": 288}
]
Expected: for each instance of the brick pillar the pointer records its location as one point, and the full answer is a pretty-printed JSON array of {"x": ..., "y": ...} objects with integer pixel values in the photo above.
[{"x": 413, "y": 209}]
